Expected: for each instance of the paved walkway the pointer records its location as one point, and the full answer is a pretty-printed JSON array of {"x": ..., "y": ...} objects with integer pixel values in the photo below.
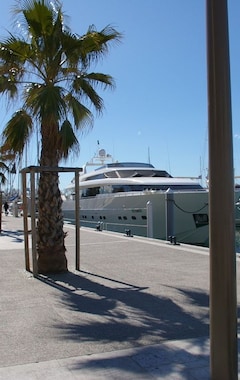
[{"x": 138, "y": 309}]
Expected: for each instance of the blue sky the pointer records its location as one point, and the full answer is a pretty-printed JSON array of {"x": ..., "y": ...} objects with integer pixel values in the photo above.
[{"x": 160, "y": 68}]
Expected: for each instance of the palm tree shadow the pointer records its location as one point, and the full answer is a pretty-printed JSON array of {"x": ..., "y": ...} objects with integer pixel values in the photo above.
[
  {"x": 17, "y": 236},
  {"x": 114, "y": 311},
  {"x": 108, "y": 311},
  {"x": 158, "y": 360}
]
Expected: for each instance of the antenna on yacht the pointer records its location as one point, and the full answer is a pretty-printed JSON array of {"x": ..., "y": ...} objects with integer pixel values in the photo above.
[{"x": 149, "y": 160}]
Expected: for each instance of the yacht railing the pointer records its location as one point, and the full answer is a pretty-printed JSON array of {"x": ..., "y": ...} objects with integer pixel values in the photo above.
[{"x": 115, "y": 227}]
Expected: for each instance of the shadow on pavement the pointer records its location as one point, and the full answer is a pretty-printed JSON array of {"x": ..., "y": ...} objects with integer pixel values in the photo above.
[
  {"x": 161, "y": 361},
  {"x": 17, "y": 236},
  {"x": 112, "y": 311}
]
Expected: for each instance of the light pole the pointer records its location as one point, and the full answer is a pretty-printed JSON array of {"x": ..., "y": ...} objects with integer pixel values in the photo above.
[{"x": 223, "y": 304}]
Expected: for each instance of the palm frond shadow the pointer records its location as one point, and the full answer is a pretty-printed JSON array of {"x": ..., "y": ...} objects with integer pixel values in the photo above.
[
  {"x": 159, "y": 360},
  {"x": 107, "y": 311},
  {"x": 115, "y": 311},
  {"x": 17, "y": 236}
]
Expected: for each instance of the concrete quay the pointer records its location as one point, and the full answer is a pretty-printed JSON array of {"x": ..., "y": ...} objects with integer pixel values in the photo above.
[{"x": 137, "y": 309}]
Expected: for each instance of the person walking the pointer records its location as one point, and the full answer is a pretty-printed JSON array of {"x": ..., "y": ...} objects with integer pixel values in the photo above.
[{"x": 6, "y": 207}]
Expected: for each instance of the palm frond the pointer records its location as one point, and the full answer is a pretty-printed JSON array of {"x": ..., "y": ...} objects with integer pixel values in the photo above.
[
  {"x": 82, "y": 86},
  {"x": 3, "y": 166},
  {"x": 68, "y": 140},
  {"x": 90, "y": 47},
  {"x": 82, "y": 115},
  {"x": 13, "y": 54},
  {"x": 8, "y": 86},
  {"x": 3, "y": 179},
  {"x": 95, "y": 45},
  {"x": 96, "y": 79},
  {"x": 37, "y": 16},
  {"x": 46, "y": 102},
  {"x": 17, "y": 131},
  {"x": 15, "y": 50}
]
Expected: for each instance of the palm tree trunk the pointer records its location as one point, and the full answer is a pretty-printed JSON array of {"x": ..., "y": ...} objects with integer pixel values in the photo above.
[{"x": 50, "y": 245}]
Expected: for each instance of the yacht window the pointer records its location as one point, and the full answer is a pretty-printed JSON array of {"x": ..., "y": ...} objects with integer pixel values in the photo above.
[
  {"x": 129, "y": 188},
  {"x": 97, "y": 176},
  {"x": 200, "y": 220},
  {"x": 107, "y": 189},
  {"x": 143, "y": 173},
  {"x": 111, "y": 174},
  {"x": 161, "y": 173},
  {"x": 118, "y": 189},
  {"x": 90, "y": 192},
  {"x": 126, "y": 165}
]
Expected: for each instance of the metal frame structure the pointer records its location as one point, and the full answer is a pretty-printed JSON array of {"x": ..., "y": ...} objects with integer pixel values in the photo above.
[{"x": 33, "y": 170}]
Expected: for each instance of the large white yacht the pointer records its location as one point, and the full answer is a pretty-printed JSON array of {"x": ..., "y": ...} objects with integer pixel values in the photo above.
[{"x": 136, "y": 199}]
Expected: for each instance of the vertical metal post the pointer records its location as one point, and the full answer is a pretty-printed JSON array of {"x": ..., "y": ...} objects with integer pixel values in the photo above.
[
  {"x": 77, "y": 219},
  {"x": 33, "y": 223},
  {"x": 169, "y": 213},
  {"x": 223, "y": 306},
  {"x": 149, "y": 219},
  {"x": 0, "y": 211},
  {"x": 25, "y": 221}
]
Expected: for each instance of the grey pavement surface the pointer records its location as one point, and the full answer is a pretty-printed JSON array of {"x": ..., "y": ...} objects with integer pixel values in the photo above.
[{"x": 137, "y": 309}]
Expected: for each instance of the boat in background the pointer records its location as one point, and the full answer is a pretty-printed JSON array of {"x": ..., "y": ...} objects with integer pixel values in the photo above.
[{"x": 138, "y": 199}]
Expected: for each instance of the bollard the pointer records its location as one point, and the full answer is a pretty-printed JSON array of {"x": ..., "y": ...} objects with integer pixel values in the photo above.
[
  {"x": 15, "y": 209},
  {"x": 173, "y": 240},
  {"x": 99, "y": 226},
  {"x": 128, "y": 233}
]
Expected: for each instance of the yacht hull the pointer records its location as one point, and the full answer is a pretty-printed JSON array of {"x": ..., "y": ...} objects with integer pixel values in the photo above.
[{"x": 147, "y": 214}]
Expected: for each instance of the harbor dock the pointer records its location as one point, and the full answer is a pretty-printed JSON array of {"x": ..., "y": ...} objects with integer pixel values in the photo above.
[{"x": 137, "y": 309}]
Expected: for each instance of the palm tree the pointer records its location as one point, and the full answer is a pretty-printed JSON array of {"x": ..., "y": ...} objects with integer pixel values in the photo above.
[
  {"x": 48, "y": 67},
  {"x": 5, "y": 157},
  {"x": 3, "y": 169}
]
